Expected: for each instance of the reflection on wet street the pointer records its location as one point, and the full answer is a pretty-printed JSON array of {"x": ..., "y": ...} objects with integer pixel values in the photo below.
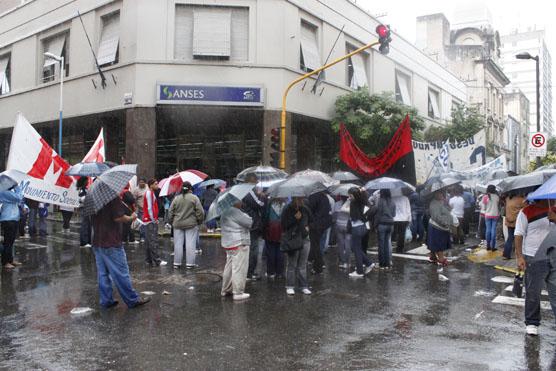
[{"x": 399, "y": 320}]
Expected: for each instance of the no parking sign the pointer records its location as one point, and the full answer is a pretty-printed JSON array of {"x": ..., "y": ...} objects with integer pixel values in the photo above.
[{"x": 537, "y": 144}]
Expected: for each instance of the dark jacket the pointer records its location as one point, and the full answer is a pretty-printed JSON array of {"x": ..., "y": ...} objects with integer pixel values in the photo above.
[
  {"x": 417, "y": 203},
  {"x": 208, "y": 197},
  {"x": 320, "y": 210},
  {"x": 356, "y": 211},
  {"x": 289, "y": 221},
  {"x": 385, "y": 211},
  {"x": 254, "y": 208}
]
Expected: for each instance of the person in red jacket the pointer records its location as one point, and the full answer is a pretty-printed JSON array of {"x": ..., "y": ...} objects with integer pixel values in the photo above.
[{"x": 150, "y": 218}]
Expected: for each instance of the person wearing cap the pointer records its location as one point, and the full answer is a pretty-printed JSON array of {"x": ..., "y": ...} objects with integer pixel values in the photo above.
[{"x": 186, "y": 214}]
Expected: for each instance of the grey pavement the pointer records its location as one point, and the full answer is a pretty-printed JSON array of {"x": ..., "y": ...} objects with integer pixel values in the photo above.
[{"x": 404, "y": 319}]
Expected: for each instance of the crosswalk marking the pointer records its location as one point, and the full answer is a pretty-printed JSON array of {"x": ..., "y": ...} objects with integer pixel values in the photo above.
[
  {"x": 510, "y": 288},
  {"x": 405, "y": 256},
  {"x": 520, "y": 302}
]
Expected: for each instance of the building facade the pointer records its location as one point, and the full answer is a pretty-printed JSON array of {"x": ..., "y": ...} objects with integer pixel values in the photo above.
[
  {"x": 517, "y": 109},
  {"x": 199, "y": 83},
  {"x": 471, "y": 53},
  {"x": 523, "y": 72}
]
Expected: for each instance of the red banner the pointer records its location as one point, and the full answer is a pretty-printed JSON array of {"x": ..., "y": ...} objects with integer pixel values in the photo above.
[{"x": 399, "y": 146}]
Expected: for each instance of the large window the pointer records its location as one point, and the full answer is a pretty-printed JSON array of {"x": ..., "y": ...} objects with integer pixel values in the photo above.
[
  {"x": 5, "y": 74},
  {"x": 211, "y": 33},
  {"x": 57, "y": 46},
  {"x": 356, "y": 69},
  {"x": 309, "y": 56},
  {"x": 434, "y": 104},
  {"x": 403, "y": 88},
  {"x": 108, "y": 48}
]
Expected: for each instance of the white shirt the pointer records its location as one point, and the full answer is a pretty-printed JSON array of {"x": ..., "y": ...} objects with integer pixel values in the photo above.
[
  {"x": 403, "y": 209},
  {"x": 457, "y": 203},
  {"x": 533, "y": 233}
]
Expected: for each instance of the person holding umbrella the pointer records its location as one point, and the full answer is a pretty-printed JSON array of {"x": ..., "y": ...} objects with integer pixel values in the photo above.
[
  {"x": 492, "y": 213},
  {"x": 440, "y": 223},
  {"x": 108, "y": 214},
  {"x": 384, "y": 214},
  {"x": 357, "y": 219}
]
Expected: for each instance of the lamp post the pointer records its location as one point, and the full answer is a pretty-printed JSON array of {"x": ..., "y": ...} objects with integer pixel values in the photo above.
[
  {"x": 61, "y": 60},
  {"x": 526, "y": 55}
]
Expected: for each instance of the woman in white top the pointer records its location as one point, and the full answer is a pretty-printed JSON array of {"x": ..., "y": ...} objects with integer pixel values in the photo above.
[
  {"x": 492, "y": 213},
  {"x": 457, "y": 204}
]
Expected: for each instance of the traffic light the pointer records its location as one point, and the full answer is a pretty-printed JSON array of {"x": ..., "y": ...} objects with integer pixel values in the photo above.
[
  {"x": 384, "y": 38},
  {"x": 275, "y": 146}
]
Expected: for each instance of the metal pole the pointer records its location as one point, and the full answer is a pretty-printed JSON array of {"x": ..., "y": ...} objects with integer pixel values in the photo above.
[
  {"x": 296, "y": 81},
  {"x": 538, "y": 104},
  {"x": 61, "y": 107}
]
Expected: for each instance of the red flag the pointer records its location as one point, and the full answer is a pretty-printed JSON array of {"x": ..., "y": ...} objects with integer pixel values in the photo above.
[
  {"x": 399, "y": 146},
  {"x": 96, "y": 153}
]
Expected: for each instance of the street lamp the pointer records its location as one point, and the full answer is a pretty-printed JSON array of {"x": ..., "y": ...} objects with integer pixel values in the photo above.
[
  {"x": 526, "y": 55},
  {"x": 61, "y": 60}
]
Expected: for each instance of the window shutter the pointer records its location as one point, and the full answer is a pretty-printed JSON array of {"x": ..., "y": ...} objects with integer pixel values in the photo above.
[
  {"x": 109, "y": 40},
  {"x": 211, "y": 32},
  {"x": 309, "y": 46},
  {"x": 183, "y": 44},
  {"x": 359, "y": 78},
  {"x": 240, "y": 34},
  {"x": 55, "y": 46}
]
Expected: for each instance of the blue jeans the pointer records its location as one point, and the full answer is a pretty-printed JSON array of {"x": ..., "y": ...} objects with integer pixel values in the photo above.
[
  {"x": 324, "y": 240},
  {"x": 385, "y": 244},
  {"x": 491, "y": 232},
  {"x": 112, "y": 266},
  {"x": 142, "y": 233},
  {"x": 537, "y": 273},
  {"x": 357, "y": 234},
  {"x": 85, "y": 231},
  {"x": 509, "y": 244},
  {"x": 417, "y": 226}
]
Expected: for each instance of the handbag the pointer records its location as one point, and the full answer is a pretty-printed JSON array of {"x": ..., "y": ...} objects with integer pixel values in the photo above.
[
  {"x": 291, "y": 241},
  {"x": 517, "y": 289}
]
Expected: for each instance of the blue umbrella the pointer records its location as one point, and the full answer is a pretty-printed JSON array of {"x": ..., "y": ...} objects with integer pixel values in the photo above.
[
  {"x": 546, "y": 192},
  {"x": 10, "y": 178},
  {"x": 217, "y": 183},
  {"x": 87, "y": 169}
]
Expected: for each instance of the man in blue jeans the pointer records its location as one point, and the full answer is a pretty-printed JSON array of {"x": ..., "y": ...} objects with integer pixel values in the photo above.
[{"x": 110, "y": 255}]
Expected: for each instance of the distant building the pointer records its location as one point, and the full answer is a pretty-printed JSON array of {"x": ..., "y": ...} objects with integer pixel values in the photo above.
[
  {"x": 199, "y": 84},
  {"x": 472, "y": 54},
  {"x": 517, "y": 110},
  {"x": 522, "y": 73}
]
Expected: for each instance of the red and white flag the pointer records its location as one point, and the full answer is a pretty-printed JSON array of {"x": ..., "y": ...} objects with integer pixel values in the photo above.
[
  {"x": 46, "y": 181},
  {"x": 96, "y": 153}
]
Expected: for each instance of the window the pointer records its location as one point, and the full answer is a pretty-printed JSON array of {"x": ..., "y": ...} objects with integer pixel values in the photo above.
[
  {"x": 5, "y": 74},
  {"x": 403, "y": 84},
  {"x": 211, "y": 33},
  {"x": 309, "y": 57},
  {"x": 56, "y": 45},
  {"x": 356, "y": 70},
  {"x": 108, "y": 51},
  {"x": 434, "y": 104}
]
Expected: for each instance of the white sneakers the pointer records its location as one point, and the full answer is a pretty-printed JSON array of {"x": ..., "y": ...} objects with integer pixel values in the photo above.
[
  {"x": 243, "y": 296},
  {"x": 306, "y": 291},
  {"x": 354, "y": 274},
  {"x": 369, "y": 268},
  {"x": 532, "y": 330},
  {"x": 163, "y": 263},
  {"x": 290, "y": 291}
]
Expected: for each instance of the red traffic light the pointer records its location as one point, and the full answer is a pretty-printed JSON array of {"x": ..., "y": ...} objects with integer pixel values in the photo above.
[{"x": 382, "y": 31}]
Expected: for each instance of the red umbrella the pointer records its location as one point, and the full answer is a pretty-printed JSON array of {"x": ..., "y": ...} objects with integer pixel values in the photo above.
[{"x": 174, "y": 183}]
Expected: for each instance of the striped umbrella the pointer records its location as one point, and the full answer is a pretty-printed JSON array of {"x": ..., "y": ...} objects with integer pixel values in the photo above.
[
  {"x": 107, "y": 187},
  {"x": 174, "y": 183},
  {"x": 90, "y": 169}
]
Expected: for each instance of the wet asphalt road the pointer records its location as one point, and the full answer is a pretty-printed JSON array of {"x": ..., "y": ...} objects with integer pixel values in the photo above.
[{"x": 405, "y": 319}]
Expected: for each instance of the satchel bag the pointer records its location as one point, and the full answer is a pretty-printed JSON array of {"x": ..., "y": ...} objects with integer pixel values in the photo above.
[{"x": 291, "y": 241}]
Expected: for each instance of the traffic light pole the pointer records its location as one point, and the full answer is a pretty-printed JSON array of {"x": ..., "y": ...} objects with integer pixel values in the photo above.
[{"x": 296, "y": 81}]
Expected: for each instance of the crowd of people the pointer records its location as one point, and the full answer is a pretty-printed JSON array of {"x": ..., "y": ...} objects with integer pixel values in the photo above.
[{"x": 294, "y": 233}]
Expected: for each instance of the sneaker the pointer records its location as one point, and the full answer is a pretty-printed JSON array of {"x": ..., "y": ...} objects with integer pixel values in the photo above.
[
  {"x": 224, "y": 294},
  {"x": 343, "y": 266},
  {"x": 306, "y": 291},
  {"x": 253, "y": 278},
  {"x": 354, "y": 274},
  {"x": 162, "y": 263},
  {"x": 532, "y": 330},
  {"x": 135, "y": 242},
  {"x": 141, "y": 301},
  {"x": 199, "y": 252},
  {"x": 87, "y": 245},
  {"x": 191, "y": 266},
  {"x": 271, "y": 276},
  {"x": 241, "y": 296},
  {"x": 369, "y": 268},
  {"x": 112, "y": 305},
  {"x": 290, "y": 291},
  {"x": 177, "y": 266}
]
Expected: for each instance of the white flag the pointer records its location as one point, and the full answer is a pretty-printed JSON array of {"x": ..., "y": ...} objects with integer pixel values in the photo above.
[{"x": 96, "y": 153}]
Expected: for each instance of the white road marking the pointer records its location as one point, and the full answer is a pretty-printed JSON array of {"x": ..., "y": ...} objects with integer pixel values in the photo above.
[
  {"x": 406, "y": 256},
  {"x": 510, "y": 288},
  {"x": 520, "y": 302}
]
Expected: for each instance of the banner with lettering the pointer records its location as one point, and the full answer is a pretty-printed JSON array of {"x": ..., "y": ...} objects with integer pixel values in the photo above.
[
  {"x": 464, "y": 155},
  {"x": 481, "y": 173},
  {"x": 46, "y": 181}
]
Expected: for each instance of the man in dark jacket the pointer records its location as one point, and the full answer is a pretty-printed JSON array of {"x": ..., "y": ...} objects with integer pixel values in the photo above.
[
  {"x": 253, "y": 205},
  {"x": 321, "y": 220}
]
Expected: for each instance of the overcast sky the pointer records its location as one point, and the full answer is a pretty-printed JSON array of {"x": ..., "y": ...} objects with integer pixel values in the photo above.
[{"x": 506, "y": 14}]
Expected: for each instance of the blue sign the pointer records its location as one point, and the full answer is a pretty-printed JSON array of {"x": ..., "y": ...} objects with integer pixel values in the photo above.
[{"x": 210, "y": 95}]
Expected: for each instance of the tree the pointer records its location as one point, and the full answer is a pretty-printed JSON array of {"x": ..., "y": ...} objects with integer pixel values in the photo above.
[
  {"x": 551, "y": 145},
  {"x": 372, "y": 120},
  {"x": 466, "y": 122}
]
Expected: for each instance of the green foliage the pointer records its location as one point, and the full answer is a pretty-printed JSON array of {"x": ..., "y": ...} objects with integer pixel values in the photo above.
[
  {"x": 466, "y": 121},
  {"x": 549, "y": 159},
  {"x": 372, "y": 120},
  {"x": 551, "y": 145}
]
